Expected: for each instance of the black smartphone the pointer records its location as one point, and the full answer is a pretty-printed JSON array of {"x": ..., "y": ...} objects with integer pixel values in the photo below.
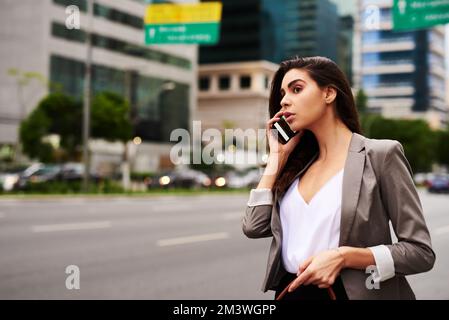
[{"x": 285, "y": 133}]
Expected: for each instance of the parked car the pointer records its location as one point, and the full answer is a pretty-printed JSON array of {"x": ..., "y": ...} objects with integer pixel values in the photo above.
[
  {"x": 420, "y": 178},
  {"x": 439, "y": 184},
  {"x": 180, "y": 178},
  {"x": 39, "y": 173},
  {"x": 248, "y": 179},
  {"x": 9, "y": 179}
]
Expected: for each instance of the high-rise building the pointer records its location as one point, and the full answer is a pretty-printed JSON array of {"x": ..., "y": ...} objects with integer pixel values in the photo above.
[
  {"x": 159, "y": 81},
  {"x": 250, "y": 30},
  {"x": 345, "y": 45},
  {"x": 236, "y": 73},
  {"x": 402, "y": 73},
  {"x": 315, "y": 33},
  {"x": 274, "y": 30}
]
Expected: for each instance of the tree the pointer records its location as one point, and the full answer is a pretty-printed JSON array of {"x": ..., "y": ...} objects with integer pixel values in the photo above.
[
  {"x": 361, "y": 102},
  {"x": 418, "y": 140},
  {"x": 55, "y": 114},
  {"x": 61, "y": 115},
  {"x": 110, "y": 117},
  {"x": 443, "y": 146},
  {"x": 110, "y": 121}
]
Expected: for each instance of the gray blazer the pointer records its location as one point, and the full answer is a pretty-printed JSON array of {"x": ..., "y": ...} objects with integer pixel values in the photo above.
[{"x": 377, "y": 188}]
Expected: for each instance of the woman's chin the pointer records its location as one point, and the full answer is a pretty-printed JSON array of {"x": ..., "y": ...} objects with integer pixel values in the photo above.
[{"x": 295, "y": 127}]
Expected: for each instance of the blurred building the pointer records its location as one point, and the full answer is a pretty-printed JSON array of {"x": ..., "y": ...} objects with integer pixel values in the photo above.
[
  {"x": 345, "y": 45},
  {"x": 256, "y": 35},
  {"x": 250, "y": 30},
  {"x": 159, "y": 81},
  {"x": 234, "y": 95},
  {"x": 274, "y": 30},
  {"x": 402, "y": 73},
  {"x": 316, "y": 31}
]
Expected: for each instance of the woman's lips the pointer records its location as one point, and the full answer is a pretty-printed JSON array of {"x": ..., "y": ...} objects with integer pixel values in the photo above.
[{"x": 288, "y": 116}]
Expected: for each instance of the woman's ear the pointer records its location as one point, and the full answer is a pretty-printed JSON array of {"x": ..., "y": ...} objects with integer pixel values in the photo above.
[{"x": 330, "y": 94}]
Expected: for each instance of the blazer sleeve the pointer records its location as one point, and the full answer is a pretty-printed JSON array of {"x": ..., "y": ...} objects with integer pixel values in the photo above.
[
  {"x": 413, "y": 252},
  {"x": 257, "y": 220}
]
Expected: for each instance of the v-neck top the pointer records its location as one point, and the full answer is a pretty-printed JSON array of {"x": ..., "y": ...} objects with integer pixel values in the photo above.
[{"x": 310, "y": 228}]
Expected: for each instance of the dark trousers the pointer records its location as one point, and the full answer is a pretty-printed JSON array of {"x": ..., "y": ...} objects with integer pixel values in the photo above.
[{"x": 310, "y": 292}]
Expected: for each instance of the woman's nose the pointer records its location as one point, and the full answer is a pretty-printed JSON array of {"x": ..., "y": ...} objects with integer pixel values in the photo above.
[{"x": 285, "y": 102}]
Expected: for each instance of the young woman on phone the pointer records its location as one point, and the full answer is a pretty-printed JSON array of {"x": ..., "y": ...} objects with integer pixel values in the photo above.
[{"x": 328, "y": 195}]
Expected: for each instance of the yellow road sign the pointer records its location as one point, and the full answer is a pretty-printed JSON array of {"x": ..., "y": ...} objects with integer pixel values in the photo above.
[{"x": 183, "y": 13}]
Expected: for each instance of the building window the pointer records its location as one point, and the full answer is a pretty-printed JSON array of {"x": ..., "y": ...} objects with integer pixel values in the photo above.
[
  {"x": 106, "y": 13},
  {"x": 204, "y": 83},
  {"x": 267, "y": 81},
  {"x": 158, "y": 109},
  {"x": 118, "y": 16},
  {"x": 59, "y": 30},
  {"x": 245, "y": 82},
  {"x": 224, "y": 82}
]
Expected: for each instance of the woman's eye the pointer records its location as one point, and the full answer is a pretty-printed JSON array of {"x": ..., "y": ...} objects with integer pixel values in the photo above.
[{"x": 296, "y": 89}]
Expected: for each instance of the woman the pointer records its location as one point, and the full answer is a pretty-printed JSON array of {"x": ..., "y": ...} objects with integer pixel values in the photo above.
[{"x": 327, "y": 196}]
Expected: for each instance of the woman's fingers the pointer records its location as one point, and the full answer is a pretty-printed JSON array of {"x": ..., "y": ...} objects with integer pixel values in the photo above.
[
  {"x": 275, "y": 118},
  {"x": 271, "y": 121},
  {"x": 304, "y": 265},
  {"x": 299, "y": 281},
  {"x": 279, "y": 114}
]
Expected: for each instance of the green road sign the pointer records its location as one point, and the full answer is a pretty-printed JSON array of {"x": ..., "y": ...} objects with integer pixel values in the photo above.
[
  {"x": 188, "y": 23},
  {"x": 189, "y": 33},
  {"x": 419, "y": 14}
]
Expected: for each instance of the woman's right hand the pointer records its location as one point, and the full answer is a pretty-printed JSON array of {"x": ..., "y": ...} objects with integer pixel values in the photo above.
[{"x": 277, "y": 148}]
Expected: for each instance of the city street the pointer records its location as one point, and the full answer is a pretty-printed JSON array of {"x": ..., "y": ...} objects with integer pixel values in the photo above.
[{"x": 172, "y": 247}]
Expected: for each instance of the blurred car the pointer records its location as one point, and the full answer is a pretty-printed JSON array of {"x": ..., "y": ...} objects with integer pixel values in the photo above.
[
  {"x": 420, "y": 178},
  {"x": 248, "y": 179},
  {"x": 181, "y": 178},
  {"x": 9, "y": 179},
  {"x": 439, "y": 184},
  {"x": 72, "y": 171},
  {"x": 38, "y": 173}
]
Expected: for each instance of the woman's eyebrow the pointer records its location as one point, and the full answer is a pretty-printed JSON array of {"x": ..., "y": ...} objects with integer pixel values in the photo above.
[{"x": 293, "y": 82}]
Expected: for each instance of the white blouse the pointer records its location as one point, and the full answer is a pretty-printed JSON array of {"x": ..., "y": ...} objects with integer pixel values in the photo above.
[{"x": 310, "y": 228}]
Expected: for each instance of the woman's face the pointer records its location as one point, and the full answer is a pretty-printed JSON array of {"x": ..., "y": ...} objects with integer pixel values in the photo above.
[{"x": 303, "y": 102}]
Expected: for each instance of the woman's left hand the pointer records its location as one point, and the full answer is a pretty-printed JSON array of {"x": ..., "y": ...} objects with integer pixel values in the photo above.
[{"x": 320, "y": 270}]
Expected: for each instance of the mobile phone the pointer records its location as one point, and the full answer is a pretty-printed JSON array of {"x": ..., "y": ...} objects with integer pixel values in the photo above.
[{"x": 285, "y": 133}]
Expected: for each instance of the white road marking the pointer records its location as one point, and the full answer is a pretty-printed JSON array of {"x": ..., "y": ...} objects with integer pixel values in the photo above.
[
  {"x": 72, "y": 226},
  {"x": 442, "y": 230},
  {"x": 192, "y": 239}
]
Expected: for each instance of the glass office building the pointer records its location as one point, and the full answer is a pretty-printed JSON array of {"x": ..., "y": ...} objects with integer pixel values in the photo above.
[
  {"x": 403, "y": 73},
  {"x": 121, "y": 63},
  {"x": 274, "y": 30}
]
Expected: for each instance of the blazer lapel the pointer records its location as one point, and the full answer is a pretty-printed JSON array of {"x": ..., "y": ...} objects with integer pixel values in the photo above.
[{"x": 352, "y": 179}]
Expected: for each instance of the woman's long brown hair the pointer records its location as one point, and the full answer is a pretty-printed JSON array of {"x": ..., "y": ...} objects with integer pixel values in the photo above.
[{"x": 325, "y": 73}]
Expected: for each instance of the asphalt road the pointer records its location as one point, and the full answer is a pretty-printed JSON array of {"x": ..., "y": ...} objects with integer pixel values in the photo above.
[{"x": 172, "y": 247}]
